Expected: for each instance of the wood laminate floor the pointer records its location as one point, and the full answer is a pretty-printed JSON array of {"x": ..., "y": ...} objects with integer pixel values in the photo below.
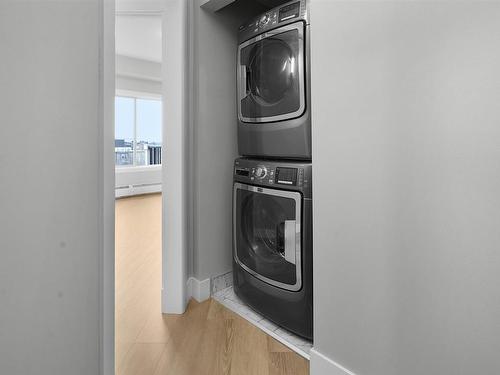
[{"x": 207, "y": 340}]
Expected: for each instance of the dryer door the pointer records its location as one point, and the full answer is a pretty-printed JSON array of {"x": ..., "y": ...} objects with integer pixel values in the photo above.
[
  {"x": 267, "y": 234},
  {"x": 271, "y": 75}
]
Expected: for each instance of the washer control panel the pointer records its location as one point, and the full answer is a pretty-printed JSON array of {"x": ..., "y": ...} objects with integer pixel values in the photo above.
[
  {"x": 288, "y": 13},
  {"x": 286, "y": 174},
  {"x": 260, "y": 172}
]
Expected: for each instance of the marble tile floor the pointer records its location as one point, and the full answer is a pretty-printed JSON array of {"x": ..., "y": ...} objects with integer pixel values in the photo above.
[{"x": 229, "y": 299}]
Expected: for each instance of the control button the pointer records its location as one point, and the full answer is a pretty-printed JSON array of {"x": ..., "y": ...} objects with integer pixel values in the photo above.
[{"x": 261, "y": 171}]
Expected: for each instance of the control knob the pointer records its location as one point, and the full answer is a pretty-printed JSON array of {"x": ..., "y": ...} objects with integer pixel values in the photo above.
[
  {"x": 261, "y": 172},
  {"x": 265, "y": 19}
]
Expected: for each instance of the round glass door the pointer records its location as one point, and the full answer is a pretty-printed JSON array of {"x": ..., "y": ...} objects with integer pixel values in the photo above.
[
  {"x": 272, "y": 75},
  {"x": 271, "y": 72},
  {"x": 265, "y": 235}
]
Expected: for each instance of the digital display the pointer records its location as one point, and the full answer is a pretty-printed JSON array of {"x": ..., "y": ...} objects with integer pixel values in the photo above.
[
  {"x": 286, "y": 176},
  {"x": 243, "y": 172},
  {"x": 290, "y": 11}
]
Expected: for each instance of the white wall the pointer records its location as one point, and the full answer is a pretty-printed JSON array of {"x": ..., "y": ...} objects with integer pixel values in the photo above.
[
  {"x": 214, "y": 46},
  {"x": 138, "y": 68},
  {"x": 137, "y": 75},
  {"x": 406, "y": 158},
  {"x": 137, "y": 85},
  {"x": 51, "y": 197}
]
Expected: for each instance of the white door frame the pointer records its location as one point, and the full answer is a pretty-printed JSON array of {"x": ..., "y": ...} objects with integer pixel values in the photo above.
[
  {"x": 175, "y": 140},
  {"x": 176, "y": 156},
  {"x": 106, "y": 100}
]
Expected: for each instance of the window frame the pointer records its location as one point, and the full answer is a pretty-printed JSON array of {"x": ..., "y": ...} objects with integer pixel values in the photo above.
[{"x": 136, "y": 95}]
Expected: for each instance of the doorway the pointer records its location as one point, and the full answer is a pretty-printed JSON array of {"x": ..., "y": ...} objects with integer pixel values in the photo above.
[
  {"x": 138, "y": 186},
  {"x": 177, "y": 176}
]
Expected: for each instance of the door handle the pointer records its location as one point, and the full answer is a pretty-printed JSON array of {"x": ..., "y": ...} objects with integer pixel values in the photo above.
[
  {"x": 290, "y": 241},
  {"x": 243, "y": 81}
]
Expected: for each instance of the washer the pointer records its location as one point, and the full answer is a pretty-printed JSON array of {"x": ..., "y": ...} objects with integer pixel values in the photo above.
[
  {"x": 274, "y": 84},
  {"x": 272, "y": 241}
]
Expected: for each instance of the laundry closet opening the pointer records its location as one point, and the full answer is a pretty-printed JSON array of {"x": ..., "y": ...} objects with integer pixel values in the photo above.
[{"x": 173, "y": 238}]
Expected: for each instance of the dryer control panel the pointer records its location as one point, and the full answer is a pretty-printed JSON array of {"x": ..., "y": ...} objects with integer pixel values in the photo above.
[
  {"x": 287, "y": 13},
  {"x": 283, "y": 174}
]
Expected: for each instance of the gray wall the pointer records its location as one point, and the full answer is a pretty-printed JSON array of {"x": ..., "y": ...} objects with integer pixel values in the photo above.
[
  {"x": 50, "y": 188},
  {"x": 407, "y": 186},
  {"x": 214, "y": 46}
]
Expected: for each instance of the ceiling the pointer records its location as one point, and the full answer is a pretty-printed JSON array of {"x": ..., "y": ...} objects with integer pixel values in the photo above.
[{"x": 139, "y": 36}]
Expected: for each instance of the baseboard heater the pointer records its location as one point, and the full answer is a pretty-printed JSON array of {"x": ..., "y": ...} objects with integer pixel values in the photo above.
[
  {"x": 137, "y": 189},
  {"x": 136, "y": 186}
]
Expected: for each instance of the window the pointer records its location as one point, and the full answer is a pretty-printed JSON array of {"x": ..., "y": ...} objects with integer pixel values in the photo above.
[{"x": 138, "y": 139}]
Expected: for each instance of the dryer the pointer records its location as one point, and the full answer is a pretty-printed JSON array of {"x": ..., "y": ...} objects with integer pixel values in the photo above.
[
  {"x": 272, "y": 240},
  {"x": 274, "y": 84}
]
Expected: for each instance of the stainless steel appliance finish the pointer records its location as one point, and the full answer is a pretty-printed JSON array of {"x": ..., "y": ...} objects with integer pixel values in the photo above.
[
  {"x": 273, "y": 84},
  {"x": 272, "y": 240}
]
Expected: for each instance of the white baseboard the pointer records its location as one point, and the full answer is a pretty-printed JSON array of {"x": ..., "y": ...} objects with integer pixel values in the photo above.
[
  {"x": 199, "y": 290},
  {"x": 322, "y": 365}
]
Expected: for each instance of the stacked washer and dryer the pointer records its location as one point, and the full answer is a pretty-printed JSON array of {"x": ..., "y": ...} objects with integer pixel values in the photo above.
[{"x": 272, "y": 205}]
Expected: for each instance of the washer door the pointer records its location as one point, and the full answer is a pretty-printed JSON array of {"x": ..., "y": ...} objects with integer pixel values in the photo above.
[
  {"x": 271, "y": 75},
  {"x": 267, "y": 235}
]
